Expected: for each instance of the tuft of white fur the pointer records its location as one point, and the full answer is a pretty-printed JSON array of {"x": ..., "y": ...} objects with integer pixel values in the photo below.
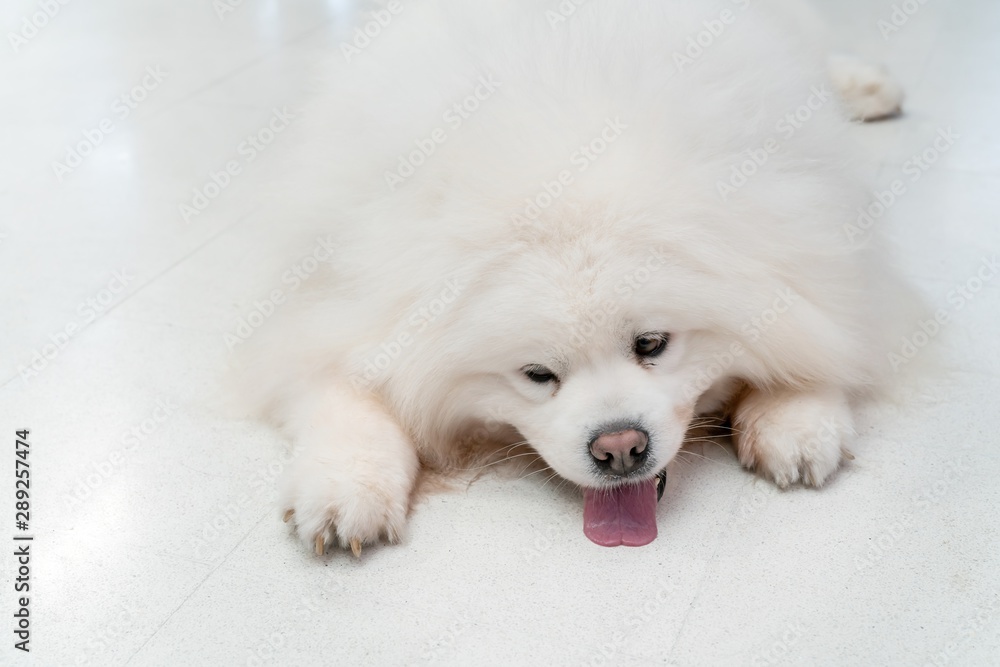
[{"x": 440, "y": 276}]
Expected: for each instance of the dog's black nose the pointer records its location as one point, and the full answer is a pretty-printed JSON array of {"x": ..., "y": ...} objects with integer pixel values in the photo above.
[{"x": 619, "y": 452}]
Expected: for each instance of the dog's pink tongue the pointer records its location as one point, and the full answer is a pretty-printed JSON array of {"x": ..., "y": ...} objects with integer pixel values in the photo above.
[{"x": 622, "y": 515}]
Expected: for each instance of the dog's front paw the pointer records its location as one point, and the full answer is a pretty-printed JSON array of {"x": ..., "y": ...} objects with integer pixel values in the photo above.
[
  {"x": 349, "y": 503},
  {"x": 350, "y": 484},
  {"x": 793, "y": 437}
]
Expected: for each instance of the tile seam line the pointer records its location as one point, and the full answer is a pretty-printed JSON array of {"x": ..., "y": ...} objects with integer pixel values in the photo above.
[
  {"x": 196, "y": 589},
  {"x": 242, "y": 219},
  {"x": 924, "y": 67},
  {"x": 232, "y": 73},
  {"x": 704, "y": 577}
]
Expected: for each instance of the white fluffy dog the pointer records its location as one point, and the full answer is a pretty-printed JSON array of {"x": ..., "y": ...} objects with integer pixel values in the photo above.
[{"x": 579, "y": 225}]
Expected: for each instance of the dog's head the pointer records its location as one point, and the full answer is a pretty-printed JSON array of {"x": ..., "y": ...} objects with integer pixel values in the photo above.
[
  {"x": 599, "y": 340},
  {"x": 593, "y": 349}
]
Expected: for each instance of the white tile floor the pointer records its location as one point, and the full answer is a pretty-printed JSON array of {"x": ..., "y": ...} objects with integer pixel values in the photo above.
[{"x": 167, "y": 549}]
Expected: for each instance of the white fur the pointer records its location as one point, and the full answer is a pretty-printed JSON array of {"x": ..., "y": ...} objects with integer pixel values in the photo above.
[
  {"x": 641, "y": 241},
  {"x": 793, "y": 436},
  {"x": 352, "y": 475}
]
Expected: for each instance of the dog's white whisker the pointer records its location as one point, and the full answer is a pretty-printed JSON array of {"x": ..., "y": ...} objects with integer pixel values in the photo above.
[
  {"x": 493, "y": 463},
  {"x": 704, "y": 458},
  {"x": 533, "y": 473},
  {"x": 549, "y": 479}
]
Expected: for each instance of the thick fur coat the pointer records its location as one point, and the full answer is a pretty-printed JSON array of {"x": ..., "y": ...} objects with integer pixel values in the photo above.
[{"x": 514, "y": 191}]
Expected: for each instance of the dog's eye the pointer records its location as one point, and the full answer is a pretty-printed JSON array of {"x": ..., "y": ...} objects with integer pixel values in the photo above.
[
  {"x": 539, "y": 374},
  {"x": 648, "y": 346}
]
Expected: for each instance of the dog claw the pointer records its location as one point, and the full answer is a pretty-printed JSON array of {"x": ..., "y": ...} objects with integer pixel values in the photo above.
[
  {"x": 288, "y": 515},
  {"x": 320, "y": 545},
  {"x": 847, "y": 454},
  {"x": 356, "y": 547}
]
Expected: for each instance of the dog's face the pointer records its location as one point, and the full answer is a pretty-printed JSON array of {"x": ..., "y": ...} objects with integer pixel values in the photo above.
[
  {"x": 588, "y": 353},
  {"x": 612, "y": 412}
]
